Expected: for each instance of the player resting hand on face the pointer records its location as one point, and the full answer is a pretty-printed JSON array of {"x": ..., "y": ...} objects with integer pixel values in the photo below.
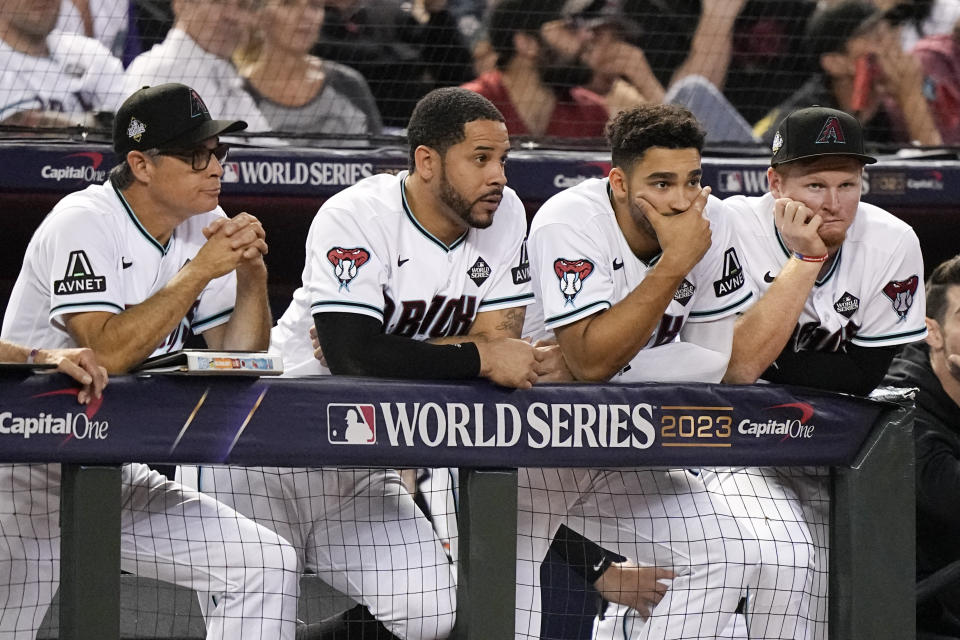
[
  {"x": 841, "y": 289},
  {"x": 638, "y": 276}
]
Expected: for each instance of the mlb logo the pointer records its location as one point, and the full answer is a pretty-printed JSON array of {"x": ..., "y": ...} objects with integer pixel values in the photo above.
[
  {"x": 351, "y": 424},
  {"x": 730, "y": 181},
  {"x": 231, "y": 172}
]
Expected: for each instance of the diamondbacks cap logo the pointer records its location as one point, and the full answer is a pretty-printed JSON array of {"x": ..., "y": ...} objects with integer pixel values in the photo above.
[
  {"x": 831, "y": 132},
  {"x": 521, "y": 272},
  {"x": 901, "y": 293},
  {"x": 479, "y": 272},
  {"x": 136, "y": 129},
  {"x": 732, "y": 274},
  {"x": 346, "y": 263},
  {"x": 351, "y": 424},
  {"x": 684, "y": 292},
  {"x": 79, "y": 277},
  {"x": 847, "y": 305},
  {"x": 572, "y": 273},
  {"x": 197, "y": 107}
]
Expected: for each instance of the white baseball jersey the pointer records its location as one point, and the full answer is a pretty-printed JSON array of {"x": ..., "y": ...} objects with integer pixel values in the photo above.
[
  {"x": 873, "y": 295},
  {"x": 79, "y": 76},
  {"x": 367, "y": 254},
  {"x": 581, "y": 264},
  {"x": 92, "y": 254}
]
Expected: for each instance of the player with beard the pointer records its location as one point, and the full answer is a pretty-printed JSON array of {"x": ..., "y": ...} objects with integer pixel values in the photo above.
[
  {"x": 407, "y": 276},
  {"x": 538, "y": 81}
]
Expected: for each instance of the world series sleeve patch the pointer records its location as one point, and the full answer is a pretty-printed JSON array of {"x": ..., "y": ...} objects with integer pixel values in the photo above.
[{"x": 509, "y": 283}]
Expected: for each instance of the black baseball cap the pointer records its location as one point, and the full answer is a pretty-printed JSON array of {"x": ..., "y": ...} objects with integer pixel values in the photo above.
[
  {"x": 818, "y": 131},
  {"x": 166, "y": 116},
  {"x": 508, "y": 17}
]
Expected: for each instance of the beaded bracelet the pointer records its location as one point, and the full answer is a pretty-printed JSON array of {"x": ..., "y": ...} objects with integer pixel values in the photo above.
[{"x": 800, "y": 256}]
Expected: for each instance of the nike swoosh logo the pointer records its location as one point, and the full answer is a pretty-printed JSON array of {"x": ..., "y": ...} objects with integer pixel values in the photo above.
[
  {"x": 598, "y": 566},
  {"x": 617, "y": 264},
  {"x": 768, "y": 278},
  {"x": 125, "y": 264},
  {"x": 402, "y": 261}
]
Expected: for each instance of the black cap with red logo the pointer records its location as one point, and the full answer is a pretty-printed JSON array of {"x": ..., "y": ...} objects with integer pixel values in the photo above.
[
  {"x": 166, "y": 116},
  {"x": 818, "y": 131}
]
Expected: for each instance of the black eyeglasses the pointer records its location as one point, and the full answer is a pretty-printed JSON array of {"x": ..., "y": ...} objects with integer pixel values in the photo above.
[{"x": 199, "y": 158}]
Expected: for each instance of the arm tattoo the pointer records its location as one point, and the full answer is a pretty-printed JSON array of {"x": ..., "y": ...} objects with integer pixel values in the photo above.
[{"x": 512, "y": 321}]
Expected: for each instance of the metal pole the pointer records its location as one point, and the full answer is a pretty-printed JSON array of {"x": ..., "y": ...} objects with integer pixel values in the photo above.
[
  {"x": 486, "y": 590},
  {"x": 90, "y": 553},
  {"x": 873, "y": 537}
]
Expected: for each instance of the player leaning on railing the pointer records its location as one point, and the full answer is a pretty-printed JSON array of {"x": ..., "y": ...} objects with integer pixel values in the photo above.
[
  {"x": 79, "y": 364},
  {"x": 841, "y": 284},
  {"x": 638, "y": 275},
  {"x": 125, "y": 268},
  {"x": 412, "y": 276}
]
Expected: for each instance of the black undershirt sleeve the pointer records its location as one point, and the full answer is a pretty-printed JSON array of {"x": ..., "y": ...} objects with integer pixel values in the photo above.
[
  {"x": 856, "y": 370},
  {"x": 583, "y": 555},
  {"x": 355, "y": 345}
]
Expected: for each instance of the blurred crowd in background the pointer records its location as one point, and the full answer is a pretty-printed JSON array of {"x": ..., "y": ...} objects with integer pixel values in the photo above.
[{"x": 336, "y": 72}]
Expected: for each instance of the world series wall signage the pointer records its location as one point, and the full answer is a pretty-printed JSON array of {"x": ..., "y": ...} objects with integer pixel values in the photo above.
[
  {"x": 534, "y": 174},
  {"x": 344, "y": 421}
]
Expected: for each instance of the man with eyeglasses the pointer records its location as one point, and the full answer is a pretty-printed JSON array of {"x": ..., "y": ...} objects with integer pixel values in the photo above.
[{"x": 128, "y": 269}]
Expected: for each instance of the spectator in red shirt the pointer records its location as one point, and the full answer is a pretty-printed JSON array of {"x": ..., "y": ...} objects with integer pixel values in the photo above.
[{"x": 537, "y": 85}]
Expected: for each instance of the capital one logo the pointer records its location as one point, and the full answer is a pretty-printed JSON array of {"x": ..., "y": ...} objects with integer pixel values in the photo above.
[
  {"x": 351, "y": 424},
  {"x": 86, "y": 170},
  {"x": 792, "y": 426}
]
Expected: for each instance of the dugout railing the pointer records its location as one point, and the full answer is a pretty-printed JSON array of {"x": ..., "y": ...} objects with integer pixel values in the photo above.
[{"x": 487, "y": 432}]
